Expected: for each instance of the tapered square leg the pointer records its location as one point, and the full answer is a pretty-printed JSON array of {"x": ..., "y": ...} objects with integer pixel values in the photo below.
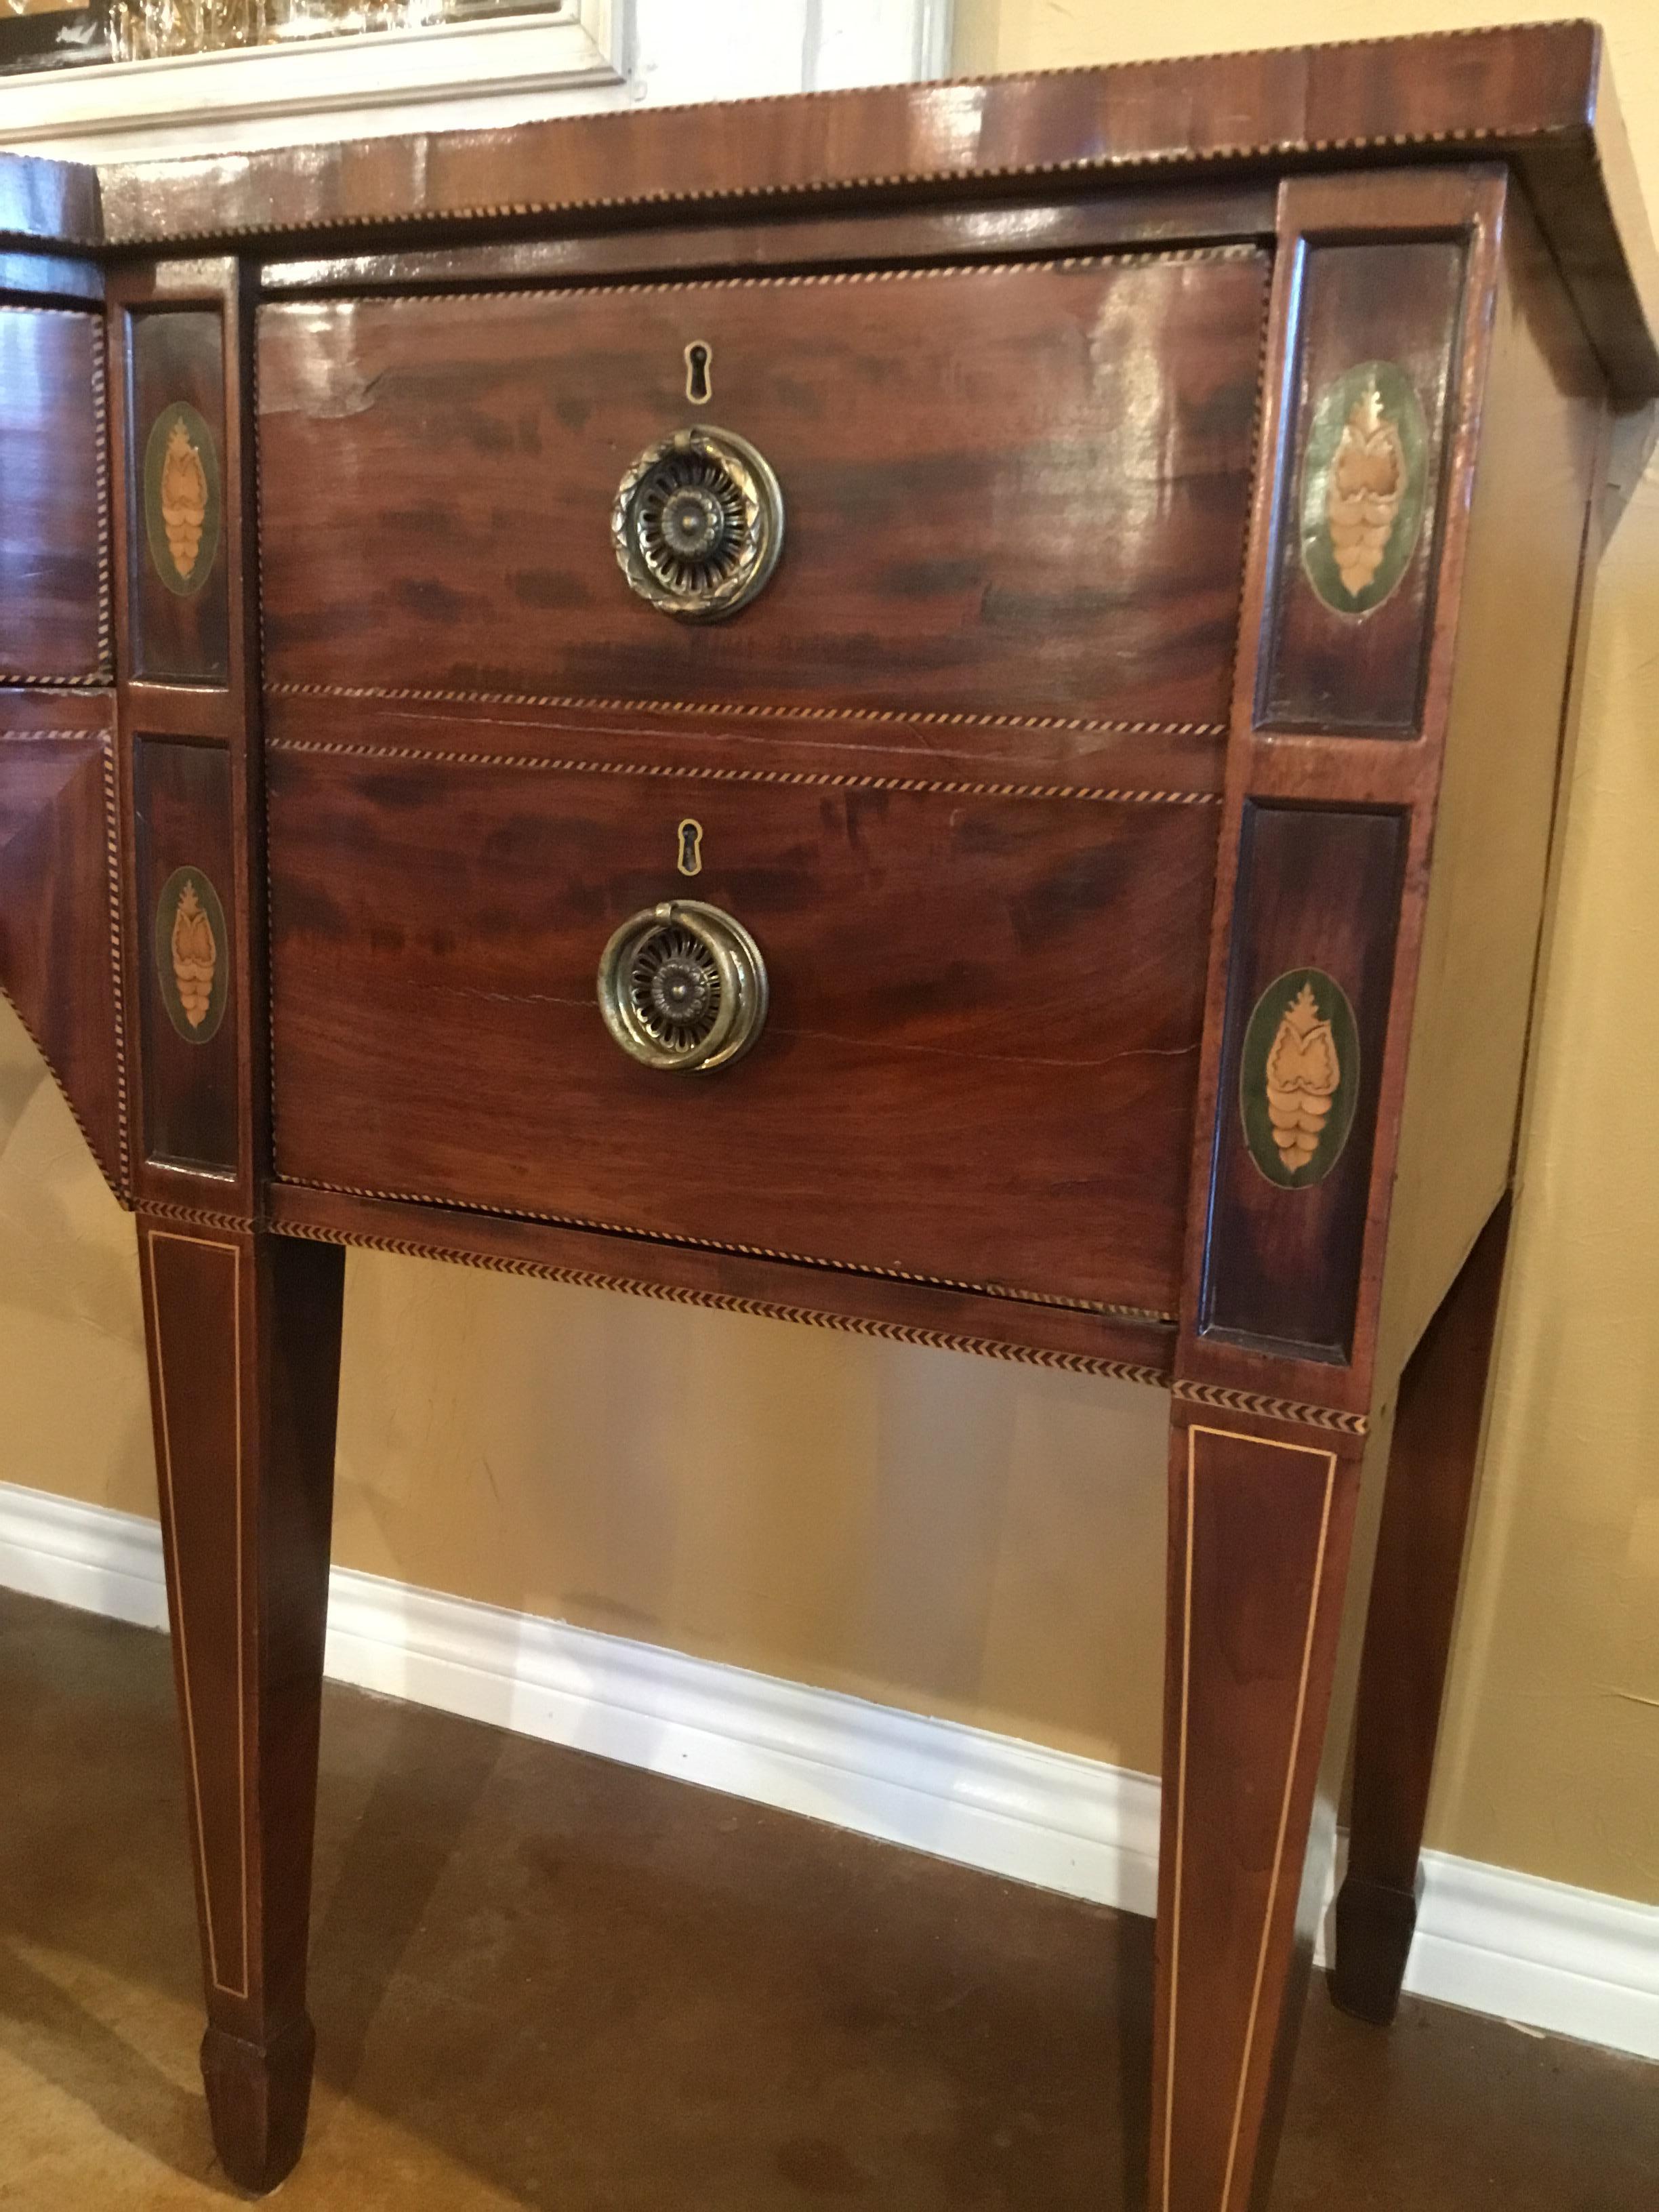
[
  {"x": 244, "y": 1335},
  {"x": 1426, "y": 1512},
  {"x": 1260, "y": 1532}
]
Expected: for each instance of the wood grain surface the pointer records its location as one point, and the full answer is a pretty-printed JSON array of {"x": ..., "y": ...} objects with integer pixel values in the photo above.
[
  {"x": 53, "y": 498},
  {"x": 58, "y": 934},
  {"x": 978, "y": 1065},
  {"x": 1011, "y": 491}
]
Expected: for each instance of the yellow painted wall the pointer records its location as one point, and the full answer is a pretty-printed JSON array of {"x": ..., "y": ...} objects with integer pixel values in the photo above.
[{"x": 957, "y": 1536}]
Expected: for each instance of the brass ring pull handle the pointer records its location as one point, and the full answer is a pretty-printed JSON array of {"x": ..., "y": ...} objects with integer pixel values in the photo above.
[
  {"x": 698, "y": 524},
  {"x": 682, "y": 986}
]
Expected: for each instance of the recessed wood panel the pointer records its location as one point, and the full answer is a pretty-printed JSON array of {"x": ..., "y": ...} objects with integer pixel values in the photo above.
[
  {"x": 1017, "y": 491},
  {"x": 176, "y": 496},
  {"x": 185, "y": 953},
  {"x": 53, "y": 499},
  {"x": 58, "y": 956},
  {"x": 1356, "y": 534},
  {"x": 980, "y": 1058},
  {"x": 1313, "y": 926}
]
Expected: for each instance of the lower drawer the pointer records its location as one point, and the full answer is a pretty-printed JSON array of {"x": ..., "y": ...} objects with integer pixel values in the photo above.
[{"x": 979, "y": 1062}]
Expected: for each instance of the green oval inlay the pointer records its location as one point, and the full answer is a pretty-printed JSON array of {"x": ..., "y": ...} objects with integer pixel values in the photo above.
[
  {"x": 1365, "y": 475},
  {"x": 183, "y": 508},
  {"x": 1299, "y": 1078},
  {"x": 193, "y": 955}
]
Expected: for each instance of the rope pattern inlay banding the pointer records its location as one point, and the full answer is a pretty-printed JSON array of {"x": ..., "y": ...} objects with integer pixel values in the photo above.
[
  {"x": 542, "y": 764},
  {"x": 1222, "y": 1398},
  {"x": 1070, "y": 1362},
  {"x": 735, "y": 711},
  {"x": 197, "y": 1217}
]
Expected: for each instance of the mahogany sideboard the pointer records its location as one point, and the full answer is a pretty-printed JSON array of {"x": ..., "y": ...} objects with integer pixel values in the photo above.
[{"x": 934, "y": 710}]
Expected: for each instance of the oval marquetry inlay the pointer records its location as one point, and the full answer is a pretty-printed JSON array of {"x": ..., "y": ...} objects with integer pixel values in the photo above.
[
  {"x": 1363, "y": 480},
  {"x": 182, "y": 505},
  {"x": 1299, "y": 1078},
  {"x": 193, "y": 955}
]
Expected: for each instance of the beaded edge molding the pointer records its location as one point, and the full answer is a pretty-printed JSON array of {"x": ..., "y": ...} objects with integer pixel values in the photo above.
[
  {"x": 1224, "y": 1400},
  {"x": 1040, "y": 264},
  {"x": 1070, "y": 1362},
  {"x": 845, "y": 780},
  {"x": 931, "y": 718},
  {"x": 112, "y": 851},
  {"x": 1034, "y": 172},
  {"x": 855, "y": 1269}
]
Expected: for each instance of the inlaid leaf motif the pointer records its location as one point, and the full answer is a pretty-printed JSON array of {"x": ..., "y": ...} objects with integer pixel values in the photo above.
[
  {"x": 184, "y": 498},
  {"x": 1302, "y": 1076},
  {"x": 195, "y": 956},
  {"x": 1367, "y": 484},
  {"x": 183, "y": 508},
  {"x": 1367, "y": 492}
]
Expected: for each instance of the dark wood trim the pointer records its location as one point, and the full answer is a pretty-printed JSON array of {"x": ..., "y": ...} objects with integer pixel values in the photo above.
[
  {"x": 52, "y": 280},
  {"x": 868, "y": 1305},
  {"x": 55, "y": 202},
  {"x": 1539, "y": 97},
  {"x": 1159, "y": 217}
]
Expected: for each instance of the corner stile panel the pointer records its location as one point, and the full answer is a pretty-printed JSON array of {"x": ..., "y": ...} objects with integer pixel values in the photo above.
[
  {"x": 185, "y": 953},
  {"x": 192, "y": 905},
  {"x": 177, "y": 539},
  {"x": 1333, "y": 771},
  {"x": 1361, "y": 493},
  {"x": 1315, "y": 922}
]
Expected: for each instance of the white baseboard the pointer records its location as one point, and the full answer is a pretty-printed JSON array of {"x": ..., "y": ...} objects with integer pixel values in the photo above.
[{"x": 1539, "y": 1953}]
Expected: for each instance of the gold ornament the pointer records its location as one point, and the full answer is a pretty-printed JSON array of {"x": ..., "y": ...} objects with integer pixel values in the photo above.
[
  {"x": 184, "y": 493},
  {"x": 1362, "y": 498},
  {"x": 1303, "y": 1074},
  {"x": 195, "y": 956}
]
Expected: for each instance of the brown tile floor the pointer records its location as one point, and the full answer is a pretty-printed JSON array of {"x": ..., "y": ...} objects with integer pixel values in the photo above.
[{"x": 543, "y": 1980}]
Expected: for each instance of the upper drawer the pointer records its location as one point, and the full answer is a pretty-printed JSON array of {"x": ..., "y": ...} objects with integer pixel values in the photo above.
[
  {"x": 1010, "y": 492},
  {"x": 53, "y": 504}
]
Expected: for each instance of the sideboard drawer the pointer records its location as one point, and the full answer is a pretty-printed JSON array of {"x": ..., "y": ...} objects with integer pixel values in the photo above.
[
  {"x": 979, "y": 1058},
  {"x": 1010, "y": 492}
]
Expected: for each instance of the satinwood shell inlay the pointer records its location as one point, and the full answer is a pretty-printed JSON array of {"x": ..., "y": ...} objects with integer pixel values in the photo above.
[
  {"x": 1300, "y": 1077},
  {"x": 182, "y": 502},
  {"x": 192, "y": 955},
  {"x": 1362, "y": 487}
]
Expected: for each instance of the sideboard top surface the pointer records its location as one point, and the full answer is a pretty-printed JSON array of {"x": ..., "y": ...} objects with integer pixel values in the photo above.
[{"x": 1539, "y": 96}]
